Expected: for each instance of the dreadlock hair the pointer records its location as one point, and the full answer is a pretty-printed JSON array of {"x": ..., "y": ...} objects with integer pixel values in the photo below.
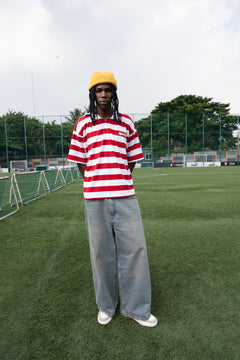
[{"x": 93, "y": 105}]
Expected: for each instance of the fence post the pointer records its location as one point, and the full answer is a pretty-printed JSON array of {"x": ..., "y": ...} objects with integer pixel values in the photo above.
[
  {"x": 44, "y": 145},
  {"x": 168, "y": 139},
  {"x": 238, "y": 140},
  {"x": 203, "y": 133},
  {"x": 151, "y": 137},
  {"x": 6, "y": 143},
  {"x": 220, "y": 135},
  {"x": 62, "y": 142},
  {"x": 25, "y": 138},
  {"x": 186, "y": 134}
]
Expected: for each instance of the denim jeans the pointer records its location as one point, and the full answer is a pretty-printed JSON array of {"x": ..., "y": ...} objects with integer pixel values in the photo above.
[{"x": 118, "y": 250}]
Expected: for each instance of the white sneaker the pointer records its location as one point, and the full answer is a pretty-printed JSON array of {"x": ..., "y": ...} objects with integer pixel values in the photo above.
[
  {"x": 103, "y": 318},
  {"x": 151, "y": 322}
]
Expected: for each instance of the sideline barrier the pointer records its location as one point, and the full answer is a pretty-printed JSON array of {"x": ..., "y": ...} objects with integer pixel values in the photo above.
[
  {"x": 29, "y": 186},
  {"x": 8, "y": 200},
  {"x": 26, "y": 187},
  {"x": 54, "y": 179}
]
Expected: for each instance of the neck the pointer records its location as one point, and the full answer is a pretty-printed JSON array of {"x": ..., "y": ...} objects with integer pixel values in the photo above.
[{"x": 104, "y": 113}]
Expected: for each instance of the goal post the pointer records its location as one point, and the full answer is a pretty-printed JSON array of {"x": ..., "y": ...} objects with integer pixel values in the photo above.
[
  {"x": 195, "y": 160},
  {"x": 18, "y": 166},
  {"x": 201, "y": 160}
]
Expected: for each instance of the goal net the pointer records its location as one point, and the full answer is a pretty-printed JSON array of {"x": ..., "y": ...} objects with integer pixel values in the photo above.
[
  {"x": 195, "y": 160},
  {"x": 8, "y": 199},
  {"x": 18, "y": 166}
]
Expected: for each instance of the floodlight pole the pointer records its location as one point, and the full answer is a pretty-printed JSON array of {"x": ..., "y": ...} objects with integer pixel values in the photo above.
[{"x": 33, "y": 96}]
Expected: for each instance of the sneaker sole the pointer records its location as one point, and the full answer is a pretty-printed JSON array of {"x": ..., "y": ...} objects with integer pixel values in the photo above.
[
  {"x": 139, "y": 323},
  {"x": 104, "y": 322}
]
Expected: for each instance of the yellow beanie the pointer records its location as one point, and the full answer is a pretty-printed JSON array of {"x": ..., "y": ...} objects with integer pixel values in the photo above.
[{"x": 102, "y": 77}]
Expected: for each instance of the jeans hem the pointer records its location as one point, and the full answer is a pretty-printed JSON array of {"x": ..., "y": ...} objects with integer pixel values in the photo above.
[
  {"x": 137, "y": 317},
  {"x": 111, "y": 314}
]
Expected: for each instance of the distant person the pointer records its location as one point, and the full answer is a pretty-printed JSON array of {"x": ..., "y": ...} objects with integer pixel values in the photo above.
[{"x": 105, "y": 145}]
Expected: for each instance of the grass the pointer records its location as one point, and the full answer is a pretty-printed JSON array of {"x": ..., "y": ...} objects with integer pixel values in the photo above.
[{"x": 191, "y": 219}]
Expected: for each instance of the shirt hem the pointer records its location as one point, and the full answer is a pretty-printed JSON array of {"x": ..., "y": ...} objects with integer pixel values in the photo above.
[
  {"x": 111, "y": 197},
  {"x": 131, "y": 161},
  {"x": 77, "y": 162}
]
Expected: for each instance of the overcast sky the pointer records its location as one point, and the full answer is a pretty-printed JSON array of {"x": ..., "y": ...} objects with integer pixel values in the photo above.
[{"x": 157, "y": 50}]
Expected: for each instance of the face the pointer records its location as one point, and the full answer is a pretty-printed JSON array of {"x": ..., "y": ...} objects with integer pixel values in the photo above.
[{"x": 104, "y": 96}]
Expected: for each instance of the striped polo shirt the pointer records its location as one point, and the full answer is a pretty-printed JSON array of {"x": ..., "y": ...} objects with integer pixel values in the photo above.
[{"x": 106, "y": 149}]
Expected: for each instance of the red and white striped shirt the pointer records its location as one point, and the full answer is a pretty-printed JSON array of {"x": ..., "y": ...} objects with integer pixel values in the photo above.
[{"x": 106, "y": 149}]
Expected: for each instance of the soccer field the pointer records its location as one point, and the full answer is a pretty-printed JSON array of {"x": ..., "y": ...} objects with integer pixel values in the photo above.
[{"x": 191, "y": 219}]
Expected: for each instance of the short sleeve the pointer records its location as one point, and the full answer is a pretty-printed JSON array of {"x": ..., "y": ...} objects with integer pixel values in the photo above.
[
  {"x": 77, "y": 149},
  {"x": 134, "y": 150}
]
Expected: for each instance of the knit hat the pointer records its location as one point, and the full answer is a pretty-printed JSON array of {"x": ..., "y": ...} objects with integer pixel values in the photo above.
[{"x": 102, "y": 77}]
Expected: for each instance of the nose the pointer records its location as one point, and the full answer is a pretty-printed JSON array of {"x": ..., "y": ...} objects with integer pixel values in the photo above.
[{"x": 103, "y": 94}]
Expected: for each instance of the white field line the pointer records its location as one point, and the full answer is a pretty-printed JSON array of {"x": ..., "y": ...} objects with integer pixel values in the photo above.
[
  {"x": 186, "y": 173},
  {"x": 146, "y": 176}
]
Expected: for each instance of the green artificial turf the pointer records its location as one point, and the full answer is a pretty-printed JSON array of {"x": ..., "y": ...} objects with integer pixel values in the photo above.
[{"x": 191, "y": 219}]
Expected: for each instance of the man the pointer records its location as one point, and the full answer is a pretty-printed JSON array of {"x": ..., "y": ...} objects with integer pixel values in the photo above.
[{"x": 105, "y": 145}]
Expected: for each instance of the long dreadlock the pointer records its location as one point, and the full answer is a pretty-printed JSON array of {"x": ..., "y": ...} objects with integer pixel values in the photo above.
[{"x": 93, "y": 105}]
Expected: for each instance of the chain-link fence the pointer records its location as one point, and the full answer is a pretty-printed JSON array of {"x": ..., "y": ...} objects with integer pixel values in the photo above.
[
  {"x": 180, "y": 138},
  {"x": 171, "y": 139},
  {"x": 42, "y": 140}
]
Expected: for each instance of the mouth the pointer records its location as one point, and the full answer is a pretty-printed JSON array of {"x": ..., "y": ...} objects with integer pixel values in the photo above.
[{"x": 104, "y": 103}]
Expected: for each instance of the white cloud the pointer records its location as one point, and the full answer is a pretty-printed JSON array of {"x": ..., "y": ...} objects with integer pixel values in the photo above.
[
  {"x": 25, "y": 39},
  {"x": 158, "y": 49}
]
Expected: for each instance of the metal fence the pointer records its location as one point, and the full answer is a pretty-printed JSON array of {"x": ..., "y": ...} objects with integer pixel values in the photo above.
[
  {"x": 171, "y": 138},
  {"x": 181, "y": 138},
  {"x": 42, "y": 140}
]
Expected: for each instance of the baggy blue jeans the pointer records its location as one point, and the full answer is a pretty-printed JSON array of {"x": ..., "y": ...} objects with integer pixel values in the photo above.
[{"x": 118, "y": 250}]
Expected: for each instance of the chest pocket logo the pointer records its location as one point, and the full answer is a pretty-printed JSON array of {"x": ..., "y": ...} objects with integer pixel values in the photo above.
[{"x": 122, "y": 134}]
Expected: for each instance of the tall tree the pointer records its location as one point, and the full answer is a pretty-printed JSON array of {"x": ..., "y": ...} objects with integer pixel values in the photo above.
[
  {"x": 192, "y": 104},
  {"x": 76, "y": 113},
  {"x": 18, "y": 125},
  {"x": 190, "y": 121},
  {"x": 25, "y": 134}
]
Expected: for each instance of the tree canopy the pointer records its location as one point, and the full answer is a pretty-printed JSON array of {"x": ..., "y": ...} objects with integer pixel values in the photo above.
[
  {"x": 21, "y": 131},
  {"x": 190, "y": 121},
  {"x": 76, "y": 114},
  {"x": 29, "y": 134},
  {"x": 192, "y": 104}
]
